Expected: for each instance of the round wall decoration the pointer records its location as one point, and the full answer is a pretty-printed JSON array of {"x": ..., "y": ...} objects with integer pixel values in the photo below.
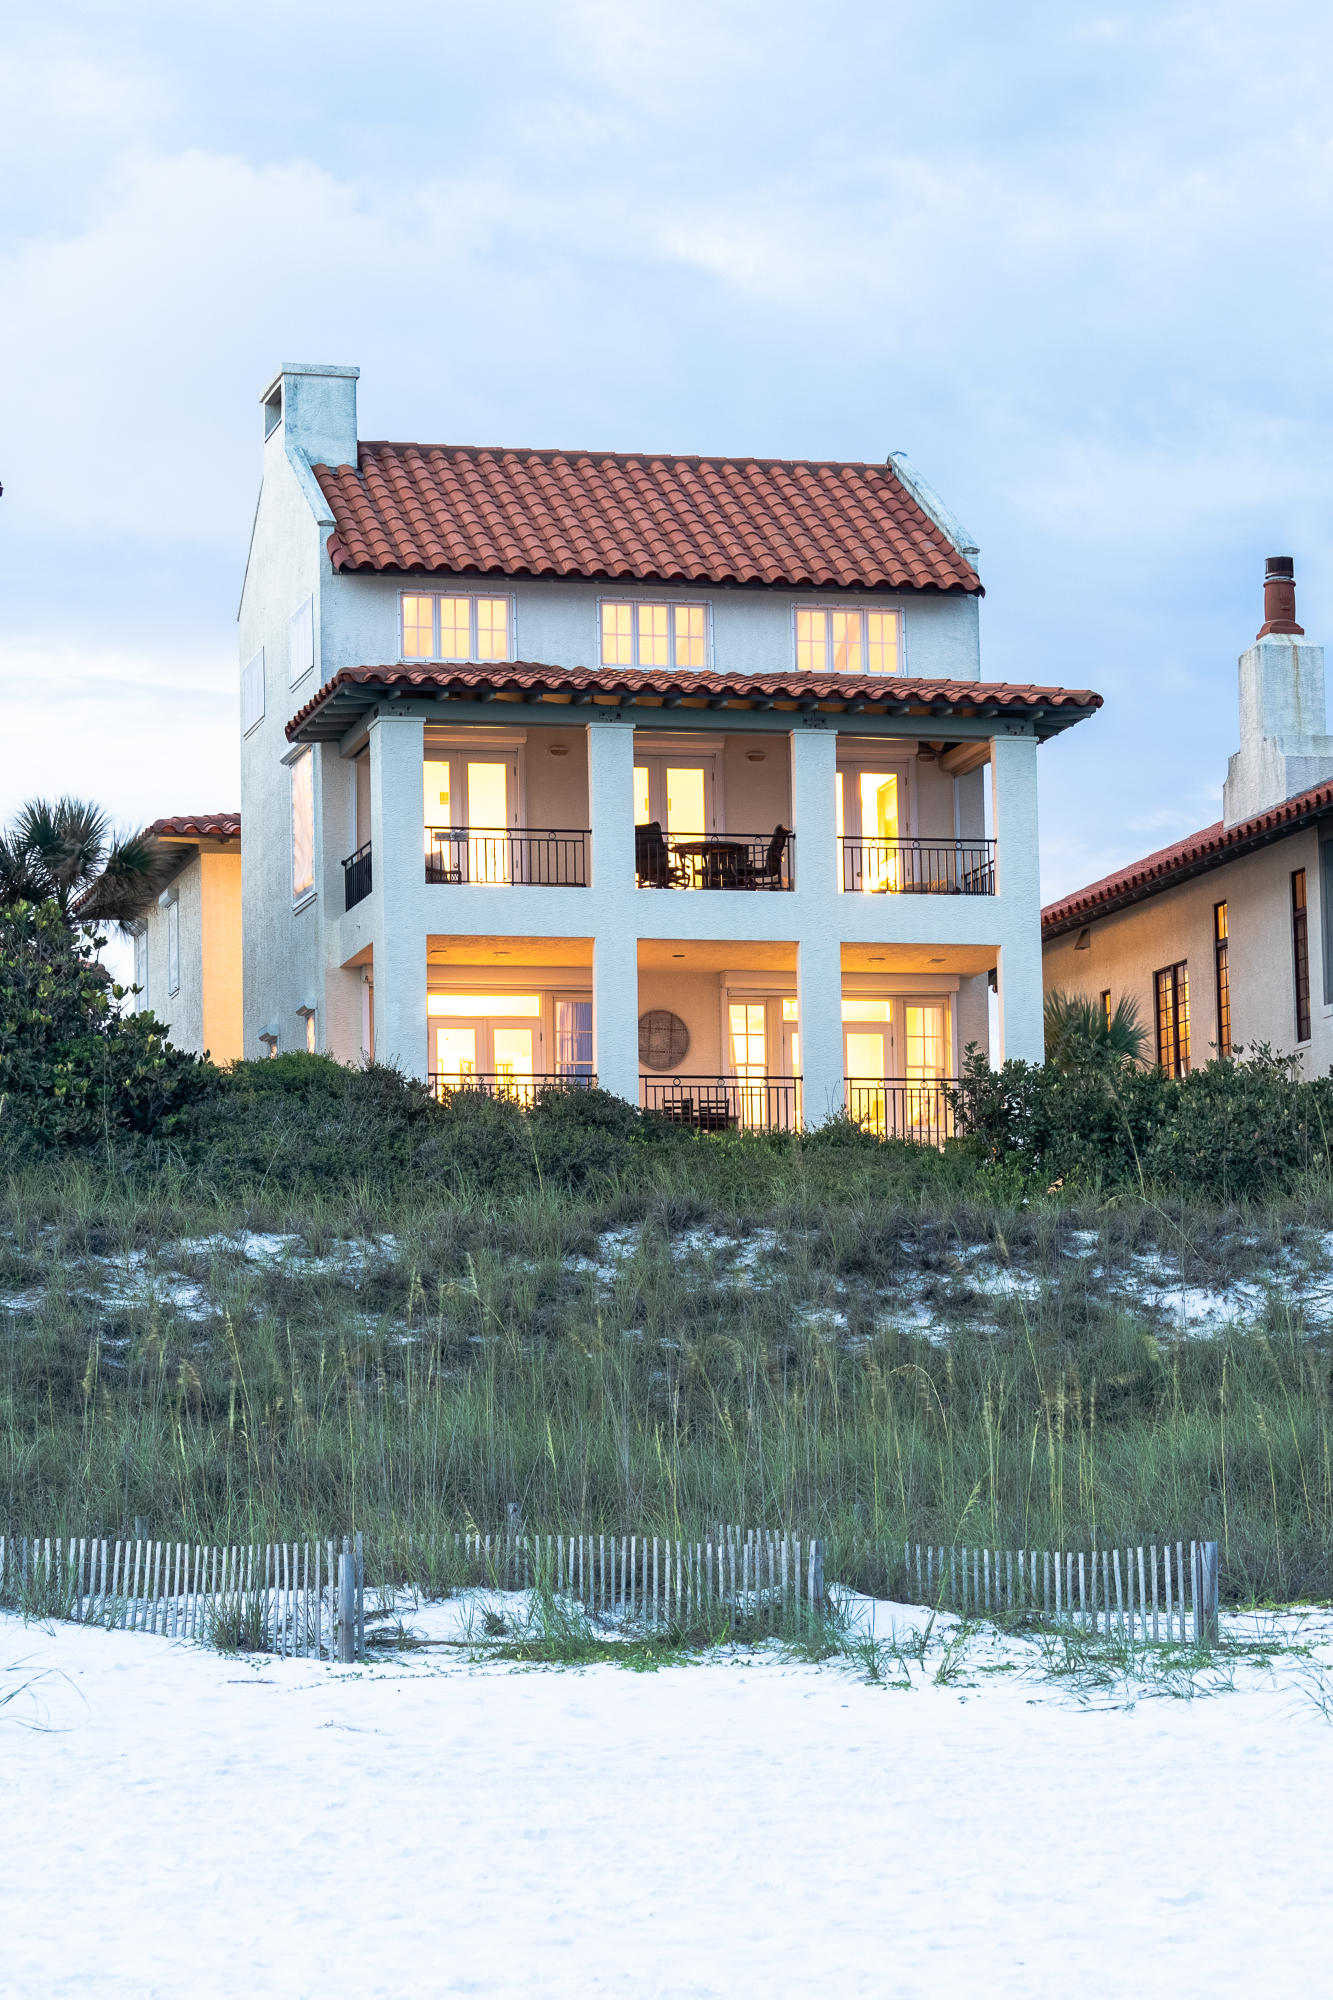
[{"x": 664, "y": 1040}]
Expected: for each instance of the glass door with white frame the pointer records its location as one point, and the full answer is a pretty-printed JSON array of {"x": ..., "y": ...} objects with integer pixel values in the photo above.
[
  {"x": 486, "y": 1041},
  {"x": 871, "y": 821},
  {"x": 675, "y": 812},
  {"x": 471, "y": 814}
]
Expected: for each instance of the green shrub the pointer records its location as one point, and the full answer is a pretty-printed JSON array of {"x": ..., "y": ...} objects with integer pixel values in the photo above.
[
  {"x": 73, "y": 1067},
  {"x": 1237, "y": 1126}
]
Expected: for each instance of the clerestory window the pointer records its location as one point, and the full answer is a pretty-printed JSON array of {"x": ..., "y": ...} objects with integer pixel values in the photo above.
[
  {"x": 440, "y": 626},
  {"x": 834, "y": 639},
  {"x": 639, "y": 633}
]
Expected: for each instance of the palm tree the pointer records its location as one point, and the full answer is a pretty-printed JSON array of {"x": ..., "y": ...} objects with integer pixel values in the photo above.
[
  {"x": 67, "y": 852},
  {"x": 1078, "y": 1032}
]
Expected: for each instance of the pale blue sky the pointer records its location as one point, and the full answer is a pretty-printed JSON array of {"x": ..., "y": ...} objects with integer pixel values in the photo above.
[{"x": 1072, "y": 260}]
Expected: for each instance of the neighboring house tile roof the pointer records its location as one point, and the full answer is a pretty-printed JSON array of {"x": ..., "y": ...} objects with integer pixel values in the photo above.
[
  {"x": 1195, "y": 855},
  {"x": 354, "y": 689},
  {"x": 635, "y": 515},
  {"x": 196, "y": 826}
]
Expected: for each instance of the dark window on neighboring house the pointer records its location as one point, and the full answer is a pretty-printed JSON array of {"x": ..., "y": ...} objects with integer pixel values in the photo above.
[
  {"x": 1172, "y": 989},
  {"x": 1106, "y": 1008},
  {"x": 1223, "y": 968},
  {"x": 1300, "y": 953},
  {"x": 1326, "y": 916}
]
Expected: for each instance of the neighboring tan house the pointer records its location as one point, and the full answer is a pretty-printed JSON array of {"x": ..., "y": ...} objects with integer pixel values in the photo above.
[
  {"x": 676, "y": 772},
  {"x": 1225, "y": 939},
  {"x": 187, "y": 951}
]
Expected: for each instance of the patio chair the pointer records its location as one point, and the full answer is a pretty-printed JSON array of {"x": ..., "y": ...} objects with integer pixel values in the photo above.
[
  {"x": 652, "y": 857},
  {"x": 767, "y": 874}
]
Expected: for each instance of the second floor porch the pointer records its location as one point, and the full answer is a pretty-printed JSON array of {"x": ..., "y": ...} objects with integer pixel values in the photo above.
[{"x": 707, "y": 812}]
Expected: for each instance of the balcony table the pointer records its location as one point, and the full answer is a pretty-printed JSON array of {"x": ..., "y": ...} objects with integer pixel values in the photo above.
[{"x": 721, "y": 861}]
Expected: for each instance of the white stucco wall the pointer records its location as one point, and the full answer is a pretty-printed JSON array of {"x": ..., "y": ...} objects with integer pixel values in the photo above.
[
  {"x": 1126, "y": 949},
  {"x": 282, "y": 944},
  {"x": 557, "y": 622}
]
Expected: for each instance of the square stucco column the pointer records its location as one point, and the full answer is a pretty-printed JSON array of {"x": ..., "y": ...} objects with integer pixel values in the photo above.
[
  {"x": 814, "y": 756},
  {"x": 615, "y": 950},
  {"x": 1018, "y": 881},
  {"x": 397, "y": 833}
]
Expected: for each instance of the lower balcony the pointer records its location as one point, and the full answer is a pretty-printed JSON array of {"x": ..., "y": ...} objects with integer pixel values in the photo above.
[
  {"x": 542, "y": 857},
  {"x": 916, "y": 1109},
  {"x": 725, "y": 1103},
  {"x": 508, "y": 1085}
]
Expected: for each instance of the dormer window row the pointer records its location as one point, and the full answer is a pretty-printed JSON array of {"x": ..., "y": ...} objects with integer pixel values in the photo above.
[
  {"x": 644, "y": 632},
  {"x": 456, "y": 627}
]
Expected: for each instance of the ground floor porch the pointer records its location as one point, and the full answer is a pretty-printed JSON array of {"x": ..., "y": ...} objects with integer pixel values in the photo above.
[{"x": 719, "y": 1038}]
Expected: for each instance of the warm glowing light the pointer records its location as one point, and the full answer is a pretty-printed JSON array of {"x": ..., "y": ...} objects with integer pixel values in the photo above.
[{"x": 513, "y": 1006}]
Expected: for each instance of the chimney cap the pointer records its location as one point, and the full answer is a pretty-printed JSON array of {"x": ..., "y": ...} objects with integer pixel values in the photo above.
[{"x": 1280, "y": 599}]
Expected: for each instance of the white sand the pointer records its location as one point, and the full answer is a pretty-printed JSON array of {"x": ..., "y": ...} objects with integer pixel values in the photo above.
[{"x": 190, "y": 1825}]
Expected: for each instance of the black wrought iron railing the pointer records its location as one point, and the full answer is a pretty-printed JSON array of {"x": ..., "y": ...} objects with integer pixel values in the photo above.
[
  {"x": 713, "y": 860},
  {"x": 554, "y": 857},
  {"x": 913, "y": 867},
  {"x": 356, "y": 877},
  {"x": 508, "y": 1085},
  {"x": 725, "y": 1103},
  {"x": 902, "y": 1107}
]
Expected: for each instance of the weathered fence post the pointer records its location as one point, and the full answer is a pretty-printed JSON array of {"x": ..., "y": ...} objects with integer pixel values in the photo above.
[
  {"x": 346, "y": 1603},
  {"x": 1208, "y": 1565},
  {"x": 816, "y": 1574},
  {"x": 359, "y": 1551}
]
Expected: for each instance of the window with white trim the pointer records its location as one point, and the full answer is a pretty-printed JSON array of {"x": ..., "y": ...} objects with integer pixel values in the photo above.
[
  {"x": 301, "y": 641},
  {"x": 303, "y": 825},
  {"x": 173, "y": 946},
  {"x": 836, "y": 639},
  {"x": 436, "y": 626},
  {"x": 637, "y": 632},
  {"x": 252, "y": 692}
]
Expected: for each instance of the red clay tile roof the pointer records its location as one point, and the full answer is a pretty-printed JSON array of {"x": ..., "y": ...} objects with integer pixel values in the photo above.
[
  {"x": 469, "y": 511},
  {"x": 354, "y": 689},
  {"x": 1195, "y": 855},
  {"x": 196, "y": 826}
]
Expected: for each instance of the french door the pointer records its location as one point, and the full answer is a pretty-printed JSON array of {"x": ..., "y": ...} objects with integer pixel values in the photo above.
[
  {"x": 679, "y": 794},
  {"x": 897, "y": 1055},
  {"x": 872, "y": 818},
  {"x": 472, "y": 807},
  {"x": 496, "y": 1037}
]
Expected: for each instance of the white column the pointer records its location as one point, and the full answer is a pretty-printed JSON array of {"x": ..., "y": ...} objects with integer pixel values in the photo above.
[
  {"x": 1018, "y": 882},
  {"x": 615, "y": 954},
  {"x": 398, "y": 873},
  {"x": 814, "y": 756}
]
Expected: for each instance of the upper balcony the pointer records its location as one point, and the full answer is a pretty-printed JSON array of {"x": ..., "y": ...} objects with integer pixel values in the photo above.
[{"x": 555, "y": 857}]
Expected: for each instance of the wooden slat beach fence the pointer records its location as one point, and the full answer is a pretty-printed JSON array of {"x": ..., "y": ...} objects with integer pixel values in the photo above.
[
  {"x": 1148, "y": 1592},
  {"x": 758, "y": 1576},
  {"x": 307, "y": 1599},
  {"x": 278, "y": 1596}
]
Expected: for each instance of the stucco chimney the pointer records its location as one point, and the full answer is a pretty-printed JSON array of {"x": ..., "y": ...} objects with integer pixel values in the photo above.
[
  {"x": 1284, "y": 748},
  {"x": 310, "y": 407},
  {"x": 1280, "y": 598}
]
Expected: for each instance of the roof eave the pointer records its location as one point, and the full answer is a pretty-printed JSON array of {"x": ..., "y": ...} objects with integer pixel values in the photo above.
[
  {"x": 353, "y": 691},
  {"x": 1073, "y": 919}
]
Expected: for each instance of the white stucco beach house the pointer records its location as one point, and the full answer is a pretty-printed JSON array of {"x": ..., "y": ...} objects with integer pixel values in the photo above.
[{"x": 679, "y": 773}]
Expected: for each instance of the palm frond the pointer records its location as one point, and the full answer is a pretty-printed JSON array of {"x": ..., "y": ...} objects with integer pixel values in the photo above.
[
  {"x": 1078, "y": 1031},
  {"x": 66, "y": 840},
  {"x": 133, "y": 874}
]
